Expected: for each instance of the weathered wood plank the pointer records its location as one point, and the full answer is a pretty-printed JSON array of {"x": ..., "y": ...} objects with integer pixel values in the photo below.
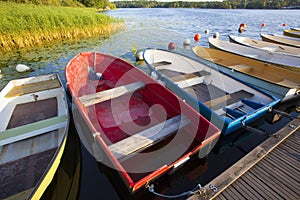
[
  {"x": 251, "y": 181},
  {"x": 187, "y": 80},
  {"x": 281, "y": 175},
  {"x": 245, "y": 185},
  {"x": 291, "y": 146},
  {"x": 98, "y": 97},
  {"x": 230, "y": 194},
  {"x": 183, "y": 77},
  {"x": 227, "y": 99},
  {"x": 33, "y": 129},
  {"x": 281, "y": 156},
  {"x": 33, "y": 87},
  {"x": 161, "y": 63},
  {"x": 217, "y": 101},
  {"x": 274, "y": 180},
  {"x": 260, "y": 175},
  {"x": 148, "y": 137}
]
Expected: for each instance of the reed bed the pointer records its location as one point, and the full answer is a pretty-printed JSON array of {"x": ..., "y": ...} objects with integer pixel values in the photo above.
[{"x": 26, "y": 25}]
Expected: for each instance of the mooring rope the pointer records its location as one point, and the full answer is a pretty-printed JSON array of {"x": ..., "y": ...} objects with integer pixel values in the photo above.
[
  {"x": 285, "y": 114},
  {"x": 198, "y": 189}
]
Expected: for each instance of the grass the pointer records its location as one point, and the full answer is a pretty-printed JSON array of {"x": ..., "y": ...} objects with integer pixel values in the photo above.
[{"x": 25, "y": 25}]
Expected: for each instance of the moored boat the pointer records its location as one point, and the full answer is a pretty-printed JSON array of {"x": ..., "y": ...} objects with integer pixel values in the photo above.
[
  {"x": 130, "y": 122},
  {"x": 268, "y": 46},
  {"x": 279, "y": 59},
  {"x": 294, "y": 42},
  {"x": 222, "y": 99},
  {"x": 33, "y": 132},
  {"x": 291, "y": 33},
  {"x": 282, "y": 83}
]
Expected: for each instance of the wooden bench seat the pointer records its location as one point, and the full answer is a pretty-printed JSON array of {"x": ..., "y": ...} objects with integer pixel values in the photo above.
[
  {"x": 187, "y": 80},
  {"x": 20, "y": 90},
  {"x": 30, "y": 130},
  {"x": 161, "y": 63},
  {"x": 227, "y": 99},
  {"x": 98, "y": 97},
  {"x": 148, "y": 137}
]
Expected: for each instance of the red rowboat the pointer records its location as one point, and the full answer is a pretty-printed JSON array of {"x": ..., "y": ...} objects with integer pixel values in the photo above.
[{"x": 130, "y": 122}]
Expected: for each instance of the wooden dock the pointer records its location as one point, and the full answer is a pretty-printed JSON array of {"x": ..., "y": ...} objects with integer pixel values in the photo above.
[{"x": 270, "y": 171}]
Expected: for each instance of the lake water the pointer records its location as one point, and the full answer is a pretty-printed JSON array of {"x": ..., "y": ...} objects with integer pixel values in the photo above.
[{"x": 153, "y": 28}]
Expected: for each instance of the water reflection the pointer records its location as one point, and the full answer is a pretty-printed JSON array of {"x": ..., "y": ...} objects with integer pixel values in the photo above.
[
  {"x": 66, "y": 181},
  {"x": 84, "y": 178}
]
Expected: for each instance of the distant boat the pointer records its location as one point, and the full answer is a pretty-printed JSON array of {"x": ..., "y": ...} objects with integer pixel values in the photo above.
[
  {"x": 222, "y": 99},
  {"x": 282, "y": 83},
  {"x": 294, "y": 42},
  {"x": 268, "y": 46},
  {"x": 131, "y": 123},
  {"x": 291, "y": 33},
  {"x": 284, "y": 60},
  {"x": 33, "y": 132}
]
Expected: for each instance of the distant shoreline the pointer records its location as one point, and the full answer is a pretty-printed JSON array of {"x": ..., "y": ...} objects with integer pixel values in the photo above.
[{"x": 209, "y": 4}]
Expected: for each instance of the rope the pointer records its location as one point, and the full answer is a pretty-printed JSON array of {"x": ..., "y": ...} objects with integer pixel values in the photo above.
[
  {"x": 285, "y": 114},
  {"x": 194, "y": 191}
]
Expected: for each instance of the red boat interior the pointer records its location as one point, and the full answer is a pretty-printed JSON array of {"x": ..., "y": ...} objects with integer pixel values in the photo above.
[{"x": 147, "y": 109}]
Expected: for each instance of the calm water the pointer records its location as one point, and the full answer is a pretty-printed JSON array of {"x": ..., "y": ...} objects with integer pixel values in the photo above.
[{"x": 153, "y": 28}]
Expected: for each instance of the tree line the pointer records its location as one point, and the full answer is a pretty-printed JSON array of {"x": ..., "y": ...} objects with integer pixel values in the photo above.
[
  {"x": 226, "y": 4},
  {"x": 99, "y": 4}
]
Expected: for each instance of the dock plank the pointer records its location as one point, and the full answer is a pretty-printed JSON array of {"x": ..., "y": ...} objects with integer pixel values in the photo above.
[
  {"x": 254, "y": 180},
  {"x": 286, "y": 165},
  {"x": 249, "y": 185},
  {"x": 269, "y": 171},
  {"x": 277, "y": 183},
  {"x": 281, "y": 175}
]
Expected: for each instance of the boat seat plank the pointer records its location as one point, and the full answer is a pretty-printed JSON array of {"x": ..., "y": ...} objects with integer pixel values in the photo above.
[
  {"x": 98, "y": 97},
  {"x": 227, "y": 99},
  {"x": 187, "y": 80},
  {"x": 20, "y": 90},
  {"x": 235, "y": 106},
  {"x": 183, "y": 77},
  {"x": 30, "y": 130},
  {"x": 148, "y": 137},
  {"x": 161, "y": 63}
]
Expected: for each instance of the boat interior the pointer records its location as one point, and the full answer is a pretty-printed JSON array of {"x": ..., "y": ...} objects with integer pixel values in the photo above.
[
  {"x": 139, "y": 118},
  {"x": 32, "y": 121},
  {"x": 31, "y": 108},
  {"x": 225, "y": 101},
  {"x": 252, "y": 67}
]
